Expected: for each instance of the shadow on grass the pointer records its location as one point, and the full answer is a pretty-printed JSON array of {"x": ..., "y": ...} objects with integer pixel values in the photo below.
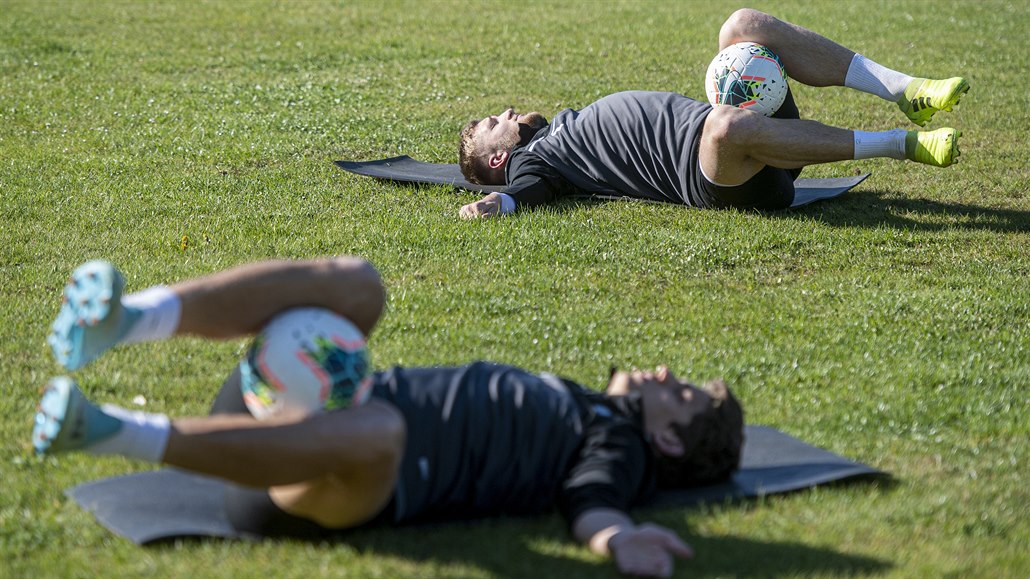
[
  {"x": 879, "y": 209},
  {"x": 503, "y": 549},
  {"x": 870, "y": 209},
  {"x": 732, "y": 556}
]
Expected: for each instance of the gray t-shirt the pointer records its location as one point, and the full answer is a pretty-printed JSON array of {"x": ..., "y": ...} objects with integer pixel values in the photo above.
[{"x": 636, "y": 143}]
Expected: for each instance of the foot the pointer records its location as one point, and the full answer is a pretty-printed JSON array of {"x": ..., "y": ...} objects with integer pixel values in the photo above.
[
  {"x": 924, "y": 97},
  {"x": 938, "y": 148},
  {"x": 65, "y": 420},
  {"x": 92, "y": 318}
]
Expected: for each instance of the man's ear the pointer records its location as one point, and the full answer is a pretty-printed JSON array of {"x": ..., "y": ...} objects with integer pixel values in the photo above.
[
  {"x": 668, "y": 443},
  {"x": 497, "y": 160}
]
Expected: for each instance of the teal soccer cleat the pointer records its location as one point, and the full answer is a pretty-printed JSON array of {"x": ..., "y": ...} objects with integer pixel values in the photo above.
[
  {"x": 66, "y": 420},
  {"x": 92, "y": 318}
]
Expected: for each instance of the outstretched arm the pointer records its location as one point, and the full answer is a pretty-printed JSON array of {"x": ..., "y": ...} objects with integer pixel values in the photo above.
[
  {"x": 488, "y": 206},
  {"x": 535, "y": 183},
  {"x": 643, "y": 550}
]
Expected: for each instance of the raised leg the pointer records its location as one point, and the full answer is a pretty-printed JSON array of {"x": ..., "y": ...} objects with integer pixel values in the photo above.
[
  {"x": 336, "y": 468},
  {"x": 240, "y": 301},
  {"x": 227, "y": 304},
  {"x": 737, "y": 143},
  {"x": 815, "y": 60},
  {"x": 809, "y": 58}
]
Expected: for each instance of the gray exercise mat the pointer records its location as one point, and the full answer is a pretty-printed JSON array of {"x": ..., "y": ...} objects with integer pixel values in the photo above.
[
  {"x": 404, "y": 169},
  {"x": 169, "y": 503}
]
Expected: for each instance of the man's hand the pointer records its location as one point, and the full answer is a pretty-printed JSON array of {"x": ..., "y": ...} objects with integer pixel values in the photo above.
[
  {"x": 486, "y": 207},
  {"x": 647, "y": 550}
]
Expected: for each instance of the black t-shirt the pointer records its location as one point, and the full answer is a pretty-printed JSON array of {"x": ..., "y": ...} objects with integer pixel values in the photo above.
[
  {"x": 488, "y": 439},
  {"x": 637, "y": 144}
]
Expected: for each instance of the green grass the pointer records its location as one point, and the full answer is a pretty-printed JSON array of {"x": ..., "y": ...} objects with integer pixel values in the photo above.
[{"x": 891, "y": 326}]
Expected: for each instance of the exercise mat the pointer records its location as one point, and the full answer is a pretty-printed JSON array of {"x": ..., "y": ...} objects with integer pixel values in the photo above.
[
  {"x": 404, "y": 169},
  {"x": 170, "y": 503}
]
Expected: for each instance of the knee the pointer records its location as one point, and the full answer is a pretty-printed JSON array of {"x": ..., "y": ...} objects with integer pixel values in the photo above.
[
  {"x": 728, "y": 126},
  {"x": 742, "y": 25},
  {"x": 362, "y": 282},
  {"x": 356, "y": 270}
]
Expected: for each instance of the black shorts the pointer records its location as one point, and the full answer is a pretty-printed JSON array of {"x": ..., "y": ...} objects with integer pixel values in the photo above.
[{"x": 769, "y": 189}]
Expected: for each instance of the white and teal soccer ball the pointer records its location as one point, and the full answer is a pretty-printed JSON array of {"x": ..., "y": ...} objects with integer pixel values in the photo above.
[
  {"x": 303, "y": 360},
  {"x": 748, "y": 76}
]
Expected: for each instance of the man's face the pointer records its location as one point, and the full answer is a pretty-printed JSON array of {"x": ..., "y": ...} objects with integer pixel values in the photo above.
[
  {"x": 504, "y": 131},
  {"x": 666, "y": 400}
]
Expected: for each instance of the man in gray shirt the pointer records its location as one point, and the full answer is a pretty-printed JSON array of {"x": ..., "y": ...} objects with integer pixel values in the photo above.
[{"x": 664, "y": 146}]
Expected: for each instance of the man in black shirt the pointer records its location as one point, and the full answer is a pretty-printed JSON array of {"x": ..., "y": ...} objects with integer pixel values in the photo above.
[
  {"x": 429, "y": 443},
  {"x": 667, "y": 147}
]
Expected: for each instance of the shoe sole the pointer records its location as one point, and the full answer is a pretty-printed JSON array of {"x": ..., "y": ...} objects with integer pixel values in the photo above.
[
  {"x": 61, "y": 398},
  {"x": 88, "y": 295}
]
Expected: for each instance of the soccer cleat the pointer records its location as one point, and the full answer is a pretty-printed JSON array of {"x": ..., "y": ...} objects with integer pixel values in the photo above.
[
  {"x": 65, "y": 420},
  {"x": 938, "y": 148},
  {"x": 92, "y": 318},
  {"x": 924, "y": 97}
]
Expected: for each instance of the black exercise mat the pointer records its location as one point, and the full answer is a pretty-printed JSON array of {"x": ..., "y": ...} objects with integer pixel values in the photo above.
[
  {"x": 169, "y": 503},
  {"x": 404, "y": 169}
]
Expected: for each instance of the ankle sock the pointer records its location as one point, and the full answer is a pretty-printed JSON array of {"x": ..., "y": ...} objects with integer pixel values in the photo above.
[
  {"x": 158, "y": 308},
  {"x": 881, "y": 144},
  {"x": 142, "y": 435}
]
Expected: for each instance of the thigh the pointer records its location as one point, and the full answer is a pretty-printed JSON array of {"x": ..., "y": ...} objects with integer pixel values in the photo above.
[{"x": 361, "y": 458}]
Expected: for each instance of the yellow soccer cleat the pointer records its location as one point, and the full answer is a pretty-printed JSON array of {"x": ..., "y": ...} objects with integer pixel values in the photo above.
[
  {"x": 938, "y": 148},
  {"x": 924, "y": 97}
]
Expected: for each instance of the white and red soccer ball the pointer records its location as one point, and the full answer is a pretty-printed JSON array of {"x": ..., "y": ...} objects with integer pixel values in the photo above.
[
  {"x": 749, "y": 76},
  {"x": 305, "y": 359}
]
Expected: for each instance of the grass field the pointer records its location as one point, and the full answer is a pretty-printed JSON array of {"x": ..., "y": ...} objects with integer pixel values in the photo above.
[{"x": 891, "y": 326}]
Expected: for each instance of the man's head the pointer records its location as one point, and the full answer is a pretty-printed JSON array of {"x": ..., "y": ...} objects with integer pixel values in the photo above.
[
  {"x": 697, "y": 433},
  {"x": 487, "y": 143}
]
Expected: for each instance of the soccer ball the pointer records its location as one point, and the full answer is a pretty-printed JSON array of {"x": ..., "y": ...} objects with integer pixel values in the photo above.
[
  {"x": 305, "y": 359},
  {"x": 748, "y": 76}
]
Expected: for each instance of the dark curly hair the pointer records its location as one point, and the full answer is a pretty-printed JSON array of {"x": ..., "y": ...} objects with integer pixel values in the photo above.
[{"x": 712, "y": 443}]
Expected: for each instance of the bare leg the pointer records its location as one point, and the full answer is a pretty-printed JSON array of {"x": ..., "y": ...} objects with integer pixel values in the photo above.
[
  {"x": 736, "y": 144},
  {"x": 809, "y": 58},
  {"x": 337, "y": 468},
  {"x": 241, "y": 300},
  {"x": 818, "y": 61},
  {"x": 95, "y": 316}
]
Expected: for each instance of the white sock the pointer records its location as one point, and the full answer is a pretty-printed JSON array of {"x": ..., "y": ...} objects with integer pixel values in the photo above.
[
  {"x": 160, "y": 308},
  {"x": 868, "y": 76},
  {"x": 884, "y": 144},
  {"x": 142, "y": 436}
]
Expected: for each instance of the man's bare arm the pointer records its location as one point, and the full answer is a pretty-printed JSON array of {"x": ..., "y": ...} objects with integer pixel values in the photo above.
[{"x": 646, "y": 550}]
